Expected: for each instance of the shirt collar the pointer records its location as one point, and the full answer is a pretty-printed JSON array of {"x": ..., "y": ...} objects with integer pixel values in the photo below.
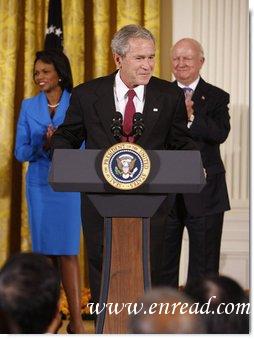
[
  {"x": 121, "y": 89},
  {"x": 193, "y": 85}
]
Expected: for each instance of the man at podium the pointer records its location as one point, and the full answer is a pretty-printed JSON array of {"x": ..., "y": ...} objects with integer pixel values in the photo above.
[{"x": 95, "y": 104}]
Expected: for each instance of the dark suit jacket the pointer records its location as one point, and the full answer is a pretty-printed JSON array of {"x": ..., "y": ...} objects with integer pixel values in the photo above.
[
  {"x": 209, "y": 129},
  {"x": 89, "y": 118},
  {"x": 92, "y": 108}
]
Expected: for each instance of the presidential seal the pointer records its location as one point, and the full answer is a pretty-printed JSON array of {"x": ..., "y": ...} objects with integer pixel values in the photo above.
[{"x": 126, "y": 166}]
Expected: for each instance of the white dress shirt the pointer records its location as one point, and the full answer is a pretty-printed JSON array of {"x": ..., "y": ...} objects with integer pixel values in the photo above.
[
  {"x": 193, "y": 85},
  {"x": 121, "y": 97}
]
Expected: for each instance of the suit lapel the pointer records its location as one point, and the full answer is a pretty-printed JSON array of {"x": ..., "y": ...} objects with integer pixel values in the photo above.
[
  {"x": 152, "y": 109},
  {"x": 200, "y": 97},
  {"x": 105, "y": 105},
  {"x": 39, "y": 110},
  {"x": 61, "y": 109}
]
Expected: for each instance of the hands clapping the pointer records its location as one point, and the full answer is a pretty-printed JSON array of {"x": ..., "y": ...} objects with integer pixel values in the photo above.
[
  {"x": 50, "y": 131},
  {"x": 189, "y": 104}
]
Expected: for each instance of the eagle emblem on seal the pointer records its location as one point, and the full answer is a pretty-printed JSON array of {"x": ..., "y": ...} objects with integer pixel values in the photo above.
[{"x": 125, "y": 166}]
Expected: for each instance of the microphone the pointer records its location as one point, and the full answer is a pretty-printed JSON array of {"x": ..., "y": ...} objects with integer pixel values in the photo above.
[
  {"x": 117, "y": 126},
  {"x": 138, "y": 125}
]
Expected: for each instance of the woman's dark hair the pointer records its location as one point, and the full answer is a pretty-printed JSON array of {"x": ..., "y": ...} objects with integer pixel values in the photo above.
[{"x": 61, "y": 64}]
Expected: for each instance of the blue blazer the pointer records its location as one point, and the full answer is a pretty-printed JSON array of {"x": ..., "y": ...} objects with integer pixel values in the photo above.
[{"x": 33, "y": 122}]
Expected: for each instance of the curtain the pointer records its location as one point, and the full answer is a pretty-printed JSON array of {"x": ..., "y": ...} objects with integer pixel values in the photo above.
[
  {"x": 107, "y": 17},
  {"x": 88, "y": 29}
]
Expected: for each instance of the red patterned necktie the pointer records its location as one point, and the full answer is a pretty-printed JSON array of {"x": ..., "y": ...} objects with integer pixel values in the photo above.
[{"x": 129, "y": 112}]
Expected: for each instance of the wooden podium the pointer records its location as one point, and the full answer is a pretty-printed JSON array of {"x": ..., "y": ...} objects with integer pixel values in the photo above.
[{"x": 126, "y": 265}]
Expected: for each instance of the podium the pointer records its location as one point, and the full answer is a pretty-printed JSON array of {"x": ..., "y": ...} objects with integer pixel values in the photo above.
[{"x": 126, "y": 259}]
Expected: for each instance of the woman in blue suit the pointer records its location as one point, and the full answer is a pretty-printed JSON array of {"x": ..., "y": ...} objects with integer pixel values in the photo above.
[{"x": 54, "y": 217}]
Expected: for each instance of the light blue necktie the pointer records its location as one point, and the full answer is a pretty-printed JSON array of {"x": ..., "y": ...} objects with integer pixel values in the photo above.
[{"x": 187, "y": 92}]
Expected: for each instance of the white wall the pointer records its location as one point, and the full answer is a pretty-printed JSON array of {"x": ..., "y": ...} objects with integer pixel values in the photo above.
[{"x": 222, "y": 27}]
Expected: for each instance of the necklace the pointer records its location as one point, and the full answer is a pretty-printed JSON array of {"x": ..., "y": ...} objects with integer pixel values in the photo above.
[{"x": 53, "y": 106}]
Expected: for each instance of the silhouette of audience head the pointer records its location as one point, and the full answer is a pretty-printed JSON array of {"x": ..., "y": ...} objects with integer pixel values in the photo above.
[
  {"x": 6, "y": 324},
  {"x": 29, "y": 292},
  {"x": 227, "y": 301},
  {"x": 165, "y": 310}
]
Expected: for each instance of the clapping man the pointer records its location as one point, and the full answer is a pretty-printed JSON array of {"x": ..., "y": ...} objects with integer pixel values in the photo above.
[{"x": 203, "y": 213}]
